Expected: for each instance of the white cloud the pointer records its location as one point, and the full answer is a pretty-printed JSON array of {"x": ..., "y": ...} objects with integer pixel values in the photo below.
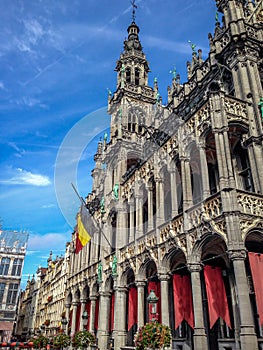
[
  {"x": 47, "y": 206},
  {"x": 23, "y": 177},
  {"x": 50, "y": 241}
]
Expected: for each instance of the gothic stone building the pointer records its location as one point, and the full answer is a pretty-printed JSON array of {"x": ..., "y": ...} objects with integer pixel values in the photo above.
[{"x": 177, "y": 198}]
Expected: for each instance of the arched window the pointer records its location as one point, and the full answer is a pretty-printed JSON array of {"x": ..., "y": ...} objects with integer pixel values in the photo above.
[
  {"x": 137, "y": 76},
  {"x": 243, "y": 168},
  {"x": 128, "y": 75}
]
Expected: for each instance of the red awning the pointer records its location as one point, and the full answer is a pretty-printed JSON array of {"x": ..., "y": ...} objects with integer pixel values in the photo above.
[{"x": 6, "y": 326}]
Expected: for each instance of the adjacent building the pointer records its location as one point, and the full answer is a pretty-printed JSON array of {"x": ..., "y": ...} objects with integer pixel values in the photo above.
[
  {"x": 12, "y": 253},
  {"x": 42, "y": 303}
]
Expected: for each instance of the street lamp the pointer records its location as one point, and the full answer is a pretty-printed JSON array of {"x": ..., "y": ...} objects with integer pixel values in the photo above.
[
  {"x": 64, "y": 323},
  {"x": 85, "y": 317},
  {"x": 152, "y": 300}
]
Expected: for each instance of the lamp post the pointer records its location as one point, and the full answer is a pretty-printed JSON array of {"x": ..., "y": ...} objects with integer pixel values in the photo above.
[
  {"x": 85, "y": 317},
  {"x": 152, "y": 300},
  {"x": 64, "y": 323}
]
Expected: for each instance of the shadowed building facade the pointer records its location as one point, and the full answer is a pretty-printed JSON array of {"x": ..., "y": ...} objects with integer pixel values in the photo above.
[{"x": 177, "y": 198}]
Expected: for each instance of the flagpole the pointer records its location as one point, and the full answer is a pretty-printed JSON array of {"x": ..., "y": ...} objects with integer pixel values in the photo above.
[
  {"x": 97, "y": 224},
  {"x": 80, "y": 198}
]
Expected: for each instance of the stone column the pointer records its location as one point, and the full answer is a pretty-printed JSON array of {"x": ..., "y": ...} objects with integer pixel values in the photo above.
[
  {"x": 82, "y": 309},
  {"x": 255, "y": 158},
  {"x": 204, "y": 171},
  {"x": 67, "y": 316},
  {"x": 139, "y": 218},
  {"x": 228, "y": 157},
  {"x": 159, "y": 201},
  {"x": 119, "y": 332},
  {"x": 221, "y": 162},
  {"x": 104, "y": 312},
  {"x": 74, "y": 317},
  {"x": 186, "y": 183},
  {"x": 248, "y": 338},
  {"x": 164, "y": 278},
  {"x": 121, "y": 233},
  {"x": 200, "y": 338},
  {"x": 92, "y": 313},
  {"x": 225, "y": 168},
  {"x": 150, "y": 207},
  {"x": 140, "y": 312},
  {"x": 132, "y": 228},
  {"x": 174, "y": 199}
]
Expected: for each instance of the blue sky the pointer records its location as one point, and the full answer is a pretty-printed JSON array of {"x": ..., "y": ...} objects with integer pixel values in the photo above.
[{"x": 57, "y": 60}]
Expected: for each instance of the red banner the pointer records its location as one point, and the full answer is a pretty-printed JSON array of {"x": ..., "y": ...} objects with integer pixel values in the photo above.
[
  {"x": 183, "y": 301},
  {"x": 78, "y": 318},
  {"x": 256, "y": 266},
  {"x": 96, "y": 318},
  {"x": 87, "y": 308},
  {"x": 111, "y": 318},
  {"x": 132, "y": 307},
  {"x": 155, "y": 286},
  {"x": 216, "y": 295}
]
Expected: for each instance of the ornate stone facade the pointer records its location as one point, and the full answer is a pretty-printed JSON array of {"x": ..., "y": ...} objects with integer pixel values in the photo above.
[{"x": 177, "y": 188}]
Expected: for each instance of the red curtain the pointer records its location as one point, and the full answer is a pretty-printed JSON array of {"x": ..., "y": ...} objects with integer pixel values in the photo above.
[
  {"x": 256, "y": 266},
  {"x": 70, "y": 318},
  {"x": 78, "y": 317},
  {"x": 87, "y": 308},
  {"x": 96, "y": 318},
  {"x": 183, "y": 301},
  {"x": 111, "y": 318},
  {"x": 157, "y": 290},
  {"x": 132, "y": 307},
  {"x": 216, "y": 295}
]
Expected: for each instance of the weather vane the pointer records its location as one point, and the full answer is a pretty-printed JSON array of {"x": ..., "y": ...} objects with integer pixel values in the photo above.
[{"x": 133, "y": 9}]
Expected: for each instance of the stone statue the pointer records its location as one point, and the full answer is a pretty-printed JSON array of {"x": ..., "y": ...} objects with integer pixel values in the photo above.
[
  {"x": 260, "y": 104},
  {"x": 114, "y": 266},
  {"x": 173, "y": 72},
  {"x": 102, "y": 205},
  {"x": 100, "y": 272},
  {"x": 109, "y": 92},
  {"x": 116, "y": 191}
]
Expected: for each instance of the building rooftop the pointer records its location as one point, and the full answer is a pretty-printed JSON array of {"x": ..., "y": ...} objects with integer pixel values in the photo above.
[{"x": 13, "y": 239}]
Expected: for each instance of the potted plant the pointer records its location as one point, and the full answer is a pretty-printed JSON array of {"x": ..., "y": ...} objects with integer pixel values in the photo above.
[
  {"x": 152, "y": 335},
  {"x": 82, "y": 339},
  {"x": 61, "y": 340},
  {"x": 39, "y": 342}
]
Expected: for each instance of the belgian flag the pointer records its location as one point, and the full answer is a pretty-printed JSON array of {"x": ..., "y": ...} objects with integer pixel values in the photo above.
[{"x": 84, "y": 228}]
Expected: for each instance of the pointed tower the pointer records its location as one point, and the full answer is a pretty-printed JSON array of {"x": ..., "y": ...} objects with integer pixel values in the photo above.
[
  {"x": 132, "y": 90},
  {"x": 132, "y": 108}
]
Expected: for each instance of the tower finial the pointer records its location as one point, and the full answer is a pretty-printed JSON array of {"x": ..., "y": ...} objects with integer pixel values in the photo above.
[{"x": 133, "y": 9}]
